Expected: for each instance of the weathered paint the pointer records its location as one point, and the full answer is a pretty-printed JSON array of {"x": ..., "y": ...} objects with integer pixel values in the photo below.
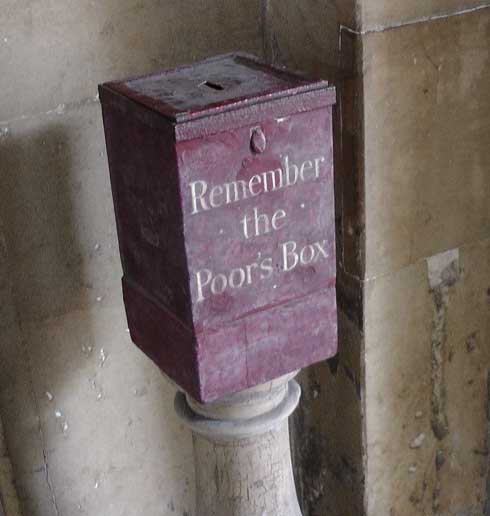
[{"x": 222, "y": 178}]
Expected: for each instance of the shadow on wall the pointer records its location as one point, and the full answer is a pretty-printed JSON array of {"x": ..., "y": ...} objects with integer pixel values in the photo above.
[
  {"x": 70, "y": 379},
  {"x": 38, "y": 191},
  {"x": 44, "y": 279}
]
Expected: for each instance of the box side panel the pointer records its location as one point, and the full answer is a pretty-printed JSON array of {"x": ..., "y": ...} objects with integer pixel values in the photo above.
[
  {"x": 144, "y": 180},
  {"x": 162, "y": 337},
  {"x": 142, "y": 163}
]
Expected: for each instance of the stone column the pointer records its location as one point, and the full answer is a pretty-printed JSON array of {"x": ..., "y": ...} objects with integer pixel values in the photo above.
[{"x": 242, "y": 451}]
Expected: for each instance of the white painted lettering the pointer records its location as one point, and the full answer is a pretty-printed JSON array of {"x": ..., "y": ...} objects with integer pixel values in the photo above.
[
  {"x": 219, "y": 284},
  {"x": 266, "y": 268},
  {"x": 262, "y": 225},
  {"x": 260, "y": 220},
  {"x": 202, "y": 283},
  {"x": 278, "y": 216},
  {"x": 321, "y": 248},
  {"x": 254, "y": 180},
  {"x": 289, "y": 257},
  {"x": 307, "y": 255},
  {"x": 233, "y": 190},
  {"x": 288, "y": 168},
  {"x": 269, "y": 180},
  {"x": 215, "y": 194},
  {"x": 305, "y": 167},
  {"x": 317, "y": 166},
  {"x": 204, "y": 198},
  {"x": 249, "y": 269},
  {"x": 289, "y": 251},
  {"x": 198, "y": 196},
  {"x": 237, "y": 278},
  {"x": 244, "y": 222}
]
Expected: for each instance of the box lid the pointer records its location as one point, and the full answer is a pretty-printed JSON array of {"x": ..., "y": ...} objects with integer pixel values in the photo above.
[{"x": 215, "y": 86}]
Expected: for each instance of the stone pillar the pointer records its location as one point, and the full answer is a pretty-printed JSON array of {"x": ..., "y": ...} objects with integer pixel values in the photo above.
[{"x": 242, "y": 451}]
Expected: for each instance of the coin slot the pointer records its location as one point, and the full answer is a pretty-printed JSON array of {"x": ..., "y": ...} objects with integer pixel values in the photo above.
[{"x": 212, "y": 85}]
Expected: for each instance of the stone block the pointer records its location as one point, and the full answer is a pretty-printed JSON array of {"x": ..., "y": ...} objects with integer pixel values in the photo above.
[
  {"x": 427, "y": 424},
  {"x": 426, "y": 139},
  {"x": 400, "y": 445}
]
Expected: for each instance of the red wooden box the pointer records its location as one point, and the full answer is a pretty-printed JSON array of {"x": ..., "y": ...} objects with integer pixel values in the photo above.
[{"x": 222, "y": 178}]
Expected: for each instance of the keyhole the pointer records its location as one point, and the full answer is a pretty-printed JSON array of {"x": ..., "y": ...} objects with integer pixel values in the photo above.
[{"x": 212, "y": 85}]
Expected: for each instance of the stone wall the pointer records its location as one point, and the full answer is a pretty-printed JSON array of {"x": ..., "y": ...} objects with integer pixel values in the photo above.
[{"x": 427, "y": 266}]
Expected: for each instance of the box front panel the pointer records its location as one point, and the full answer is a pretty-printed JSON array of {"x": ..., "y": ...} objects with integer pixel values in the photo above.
[{"x": 259, "y": 227}]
